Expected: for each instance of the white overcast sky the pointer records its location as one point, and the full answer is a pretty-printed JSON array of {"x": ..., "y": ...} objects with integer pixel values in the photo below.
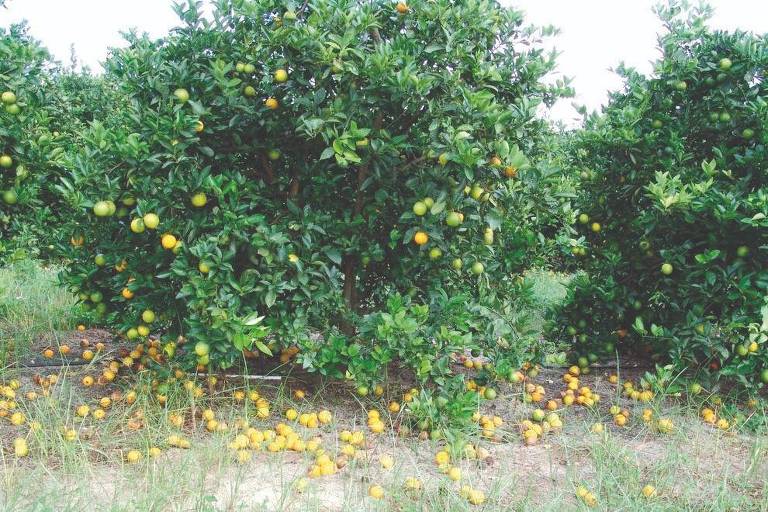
[{"x": 595, "y": 34}]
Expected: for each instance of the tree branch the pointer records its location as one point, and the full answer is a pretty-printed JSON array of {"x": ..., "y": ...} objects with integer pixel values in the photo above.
[
  {"x": 411, "y": 163},
  {"x": 376, "y": 35},
  {"x": 363, "y": 171}
]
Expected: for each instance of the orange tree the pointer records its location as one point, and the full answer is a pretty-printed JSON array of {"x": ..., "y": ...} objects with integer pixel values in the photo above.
[
  {"x": 346, "y": 180},
  {"x": 673, "y": 222}
]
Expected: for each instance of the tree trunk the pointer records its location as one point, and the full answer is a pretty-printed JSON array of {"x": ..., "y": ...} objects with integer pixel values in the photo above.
[
  {"x": 349, "y": 292},
  {"x": 269, "y": 174},
  {"x": 294, "y": 190},
  {"x": 349, "y": 267}
]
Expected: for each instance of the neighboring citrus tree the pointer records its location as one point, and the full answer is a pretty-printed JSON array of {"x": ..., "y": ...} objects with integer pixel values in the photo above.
[
  {"x": 24, "y": 140},
  {"x": 43, "y": 109},
  {"x": 343, "y": 180},
  {"x": 675, "y": 209}
]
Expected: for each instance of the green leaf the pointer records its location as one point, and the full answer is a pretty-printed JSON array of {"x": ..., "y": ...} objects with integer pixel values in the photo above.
[
  {"x": 207, "y": 151},
  {"x": 253, "y": 319},
  {"x": 438, "y": 207},
  {"x": 262, "y": 347},
  {"x": 334, "y": 255},
  {"x": 494, "y": 220}
]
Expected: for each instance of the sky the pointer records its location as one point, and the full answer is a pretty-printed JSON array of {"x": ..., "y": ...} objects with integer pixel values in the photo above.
[{"x": 596, "y": 35}]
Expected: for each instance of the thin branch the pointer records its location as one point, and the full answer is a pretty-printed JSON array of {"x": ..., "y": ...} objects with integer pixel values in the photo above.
[
  {"x": 411, "y": 163},
  {"x": 376, "y": 35}
]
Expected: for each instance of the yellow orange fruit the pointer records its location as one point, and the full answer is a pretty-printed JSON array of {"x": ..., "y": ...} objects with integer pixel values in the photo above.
[
  {"x": 20, "y": 447},
  {"x": 168, "y": 241},
  {"x": 376, "y": 492},
  {"x": 420, "y": 238}
]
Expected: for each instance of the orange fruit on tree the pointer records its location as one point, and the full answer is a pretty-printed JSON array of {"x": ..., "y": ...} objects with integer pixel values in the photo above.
[
  {"x": 151, "y": 221},
  {"x": 137, "y": 225},
  {"x": 199, "y": 200},
  {"x": 181, "y": 94},
  {"x": 8, "y": 97},
  {"x": 281, "y": 76},
  {"x": 168, "y": 241},
  {"x": 420, "y": 238}
]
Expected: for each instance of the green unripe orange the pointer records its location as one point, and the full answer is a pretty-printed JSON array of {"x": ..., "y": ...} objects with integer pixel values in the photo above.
[
  {"x": 453, "y": 219},
  {"x": 8, "y": 97},
  {"x": 419, "y": 208},
  {"x": 101, "y": 209},
  {"x": 181, "y": 94},
  {"x": 10, "y": 197}
]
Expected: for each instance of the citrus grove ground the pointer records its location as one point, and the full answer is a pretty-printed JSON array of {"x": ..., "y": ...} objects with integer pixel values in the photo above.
[{"x": 299, "y": 443}]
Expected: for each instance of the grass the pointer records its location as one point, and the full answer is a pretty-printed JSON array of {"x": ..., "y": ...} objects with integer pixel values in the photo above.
[
  {"x": 695, "y": 468},
  {"x": 31, "y": 305},
  {"x": 549, "y": 287}
]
